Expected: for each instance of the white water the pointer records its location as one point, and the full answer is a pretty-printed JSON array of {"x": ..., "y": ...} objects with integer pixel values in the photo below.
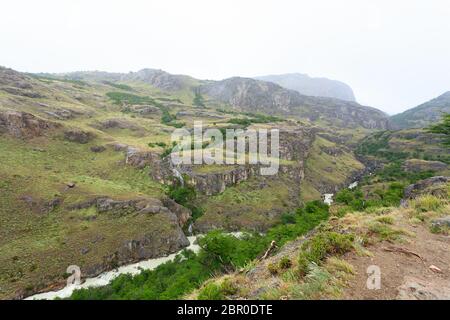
[
  {"x": 178, "y": 175},
  {"x": 106, "y": 277},
  {"x": 353, "y": 185},
  {"x": 328, "y": 198}
]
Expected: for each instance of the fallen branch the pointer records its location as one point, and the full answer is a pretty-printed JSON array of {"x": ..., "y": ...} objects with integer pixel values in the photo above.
[
  {"x": 402, "y": 250},
  {"x": 272, "y": 246}
]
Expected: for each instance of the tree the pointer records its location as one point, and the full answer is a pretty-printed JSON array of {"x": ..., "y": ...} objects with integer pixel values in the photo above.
[
  {"x": 442, "y": 127},
  {"x": 198, "y": 100}
]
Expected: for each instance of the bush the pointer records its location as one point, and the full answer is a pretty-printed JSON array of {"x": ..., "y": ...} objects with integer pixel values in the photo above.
[
  {"x": 182, "y": 194},
  {"x": 384, "y": 231},
  {"x": 211, "y": 291},
  {"x": 287, "y": 218},
  {"x": 321, "y": 245},
  {"x": 228, "y": 287},
  {"x": 427, "y": 203},
  {"x": 273, "y": 268},
  {"x": 285, "y": 263}
]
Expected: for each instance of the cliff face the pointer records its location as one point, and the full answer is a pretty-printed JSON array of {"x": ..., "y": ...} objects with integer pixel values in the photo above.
[
  {"x": 294, "y": 147},
  {"x": 317, "y": 87},
  {"x": 259, "y": 96}
]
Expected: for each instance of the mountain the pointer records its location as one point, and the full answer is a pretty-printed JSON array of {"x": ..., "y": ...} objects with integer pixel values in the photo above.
[
  {"x": 424, "y": 114},
  {"x": 101, "y": 191},
  {"x": 252, "y": 95},
  {"x": 157, "y": 78},
  {"x": 317, "y": 87}
]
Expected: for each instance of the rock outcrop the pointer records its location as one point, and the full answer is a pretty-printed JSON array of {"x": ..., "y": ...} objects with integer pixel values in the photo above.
[
  {"x": 416, "y": 165},
  {"x": 436, "y": 186},
  {"x": 78, "y": 136},
  {"x": 259, "y": 96},
  {"x": 106, "y": 205},
  {"x": 23, "y": 124}
]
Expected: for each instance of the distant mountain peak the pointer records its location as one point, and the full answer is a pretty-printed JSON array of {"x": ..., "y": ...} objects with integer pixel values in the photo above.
[{"x": 310, "y": 86}]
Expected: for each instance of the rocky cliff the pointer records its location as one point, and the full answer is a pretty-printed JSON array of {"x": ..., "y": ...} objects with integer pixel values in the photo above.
[
  {"x": 317, "y": 87},
  {"x": 259, "y": 96}
]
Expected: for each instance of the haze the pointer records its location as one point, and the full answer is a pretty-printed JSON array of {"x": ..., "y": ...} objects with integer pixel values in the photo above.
[{"x": 394, "y": 54}]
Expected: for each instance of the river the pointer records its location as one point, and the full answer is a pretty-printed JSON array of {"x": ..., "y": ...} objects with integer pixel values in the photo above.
[{"x": 106, "y": 277}]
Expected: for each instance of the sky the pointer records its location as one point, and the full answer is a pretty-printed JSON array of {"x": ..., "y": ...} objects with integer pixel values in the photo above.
[{"x": 394, "y": 54}]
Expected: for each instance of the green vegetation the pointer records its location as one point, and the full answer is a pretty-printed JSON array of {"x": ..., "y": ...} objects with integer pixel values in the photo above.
[
  {"x": 46, "y": 78},
  {"x": 356, "y": 201},
  {"x": 253, "y": 118},
  {"x": 128, "y": 98},
  {"x": 442, "y": 128},
  {"x": 120, "y": 86},
  {"x": 198, "y": 100},
  {"x": 319, "y": 246},
  {"x": 220, "y": 253},
  {"x": 157, "y": 144}
]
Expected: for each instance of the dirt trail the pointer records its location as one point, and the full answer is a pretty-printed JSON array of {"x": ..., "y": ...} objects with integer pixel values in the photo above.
[{"x": 403, "y": 275}]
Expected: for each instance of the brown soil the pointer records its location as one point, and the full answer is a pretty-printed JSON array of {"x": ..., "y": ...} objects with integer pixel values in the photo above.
[{"x": 404, "y": 275}]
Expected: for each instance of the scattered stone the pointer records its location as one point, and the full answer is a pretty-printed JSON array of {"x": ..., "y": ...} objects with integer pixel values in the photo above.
[
  {"x": 52, "y": 205},
  {"x": 70, "y": 185},
  {"x": 435, "y": 269},
  {"x": 419, "y": 289},
  {"x": 441, "y": 222},
  {"x": 78, "y": 136},
  {"x": 84, "y": 251},
  {"x": 98, "y": 149},
  {"x": 119, "y": 146}
]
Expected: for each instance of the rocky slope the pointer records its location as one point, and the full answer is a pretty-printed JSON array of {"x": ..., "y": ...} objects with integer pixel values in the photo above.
[
  {"x": 250, "y": 95},
  {"x": 317, "y": 87},
  {"x": 259, "y": 96},
  {"x": 155, "y": 77},
  {"x": 423, "y": 115}
]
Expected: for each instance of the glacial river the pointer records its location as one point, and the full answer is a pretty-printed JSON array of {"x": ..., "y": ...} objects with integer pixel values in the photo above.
[{"x": 106, "y": 277}]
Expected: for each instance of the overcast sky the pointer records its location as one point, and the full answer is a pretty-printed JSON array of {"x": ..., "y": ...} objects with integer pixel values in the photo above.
[{"x": 395, "y": 54}]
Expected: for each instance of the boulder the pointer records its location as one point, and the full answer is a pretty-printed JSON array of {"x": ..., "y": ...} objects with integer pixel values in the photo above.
[
  {"x": 436, "y": 186},
  {"x": 78, "y": 136},
  {"x": 441, "y": 222},
  {"x": 98, "y": 149}
]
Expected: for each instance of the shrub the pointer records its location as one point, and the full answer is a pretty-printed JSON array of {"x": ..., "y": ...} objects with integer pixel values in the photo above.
[
  {"x": 228, "y": 287},
  {"x": 182, "y": 194},
  {"x": 211, "y": 291},
  {"x": 426, "y": 203},
  {"x": 288, "y": 218},
  {"x": 384, "y": 231},
  {"x": 321, "y": 245},
  {"x": 273, "y": 268},
  {"x": 285, "y": 263}
]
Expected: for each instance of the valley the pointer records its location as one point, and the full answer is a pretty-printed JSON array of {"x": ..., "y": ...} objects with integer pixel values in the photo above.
[{"x": 86, "y": 179}]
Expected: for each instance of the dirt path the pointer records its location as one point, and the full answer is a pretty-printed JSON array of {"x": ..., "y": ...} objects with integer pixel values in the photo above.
[{"x": 403, "y": 275}]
